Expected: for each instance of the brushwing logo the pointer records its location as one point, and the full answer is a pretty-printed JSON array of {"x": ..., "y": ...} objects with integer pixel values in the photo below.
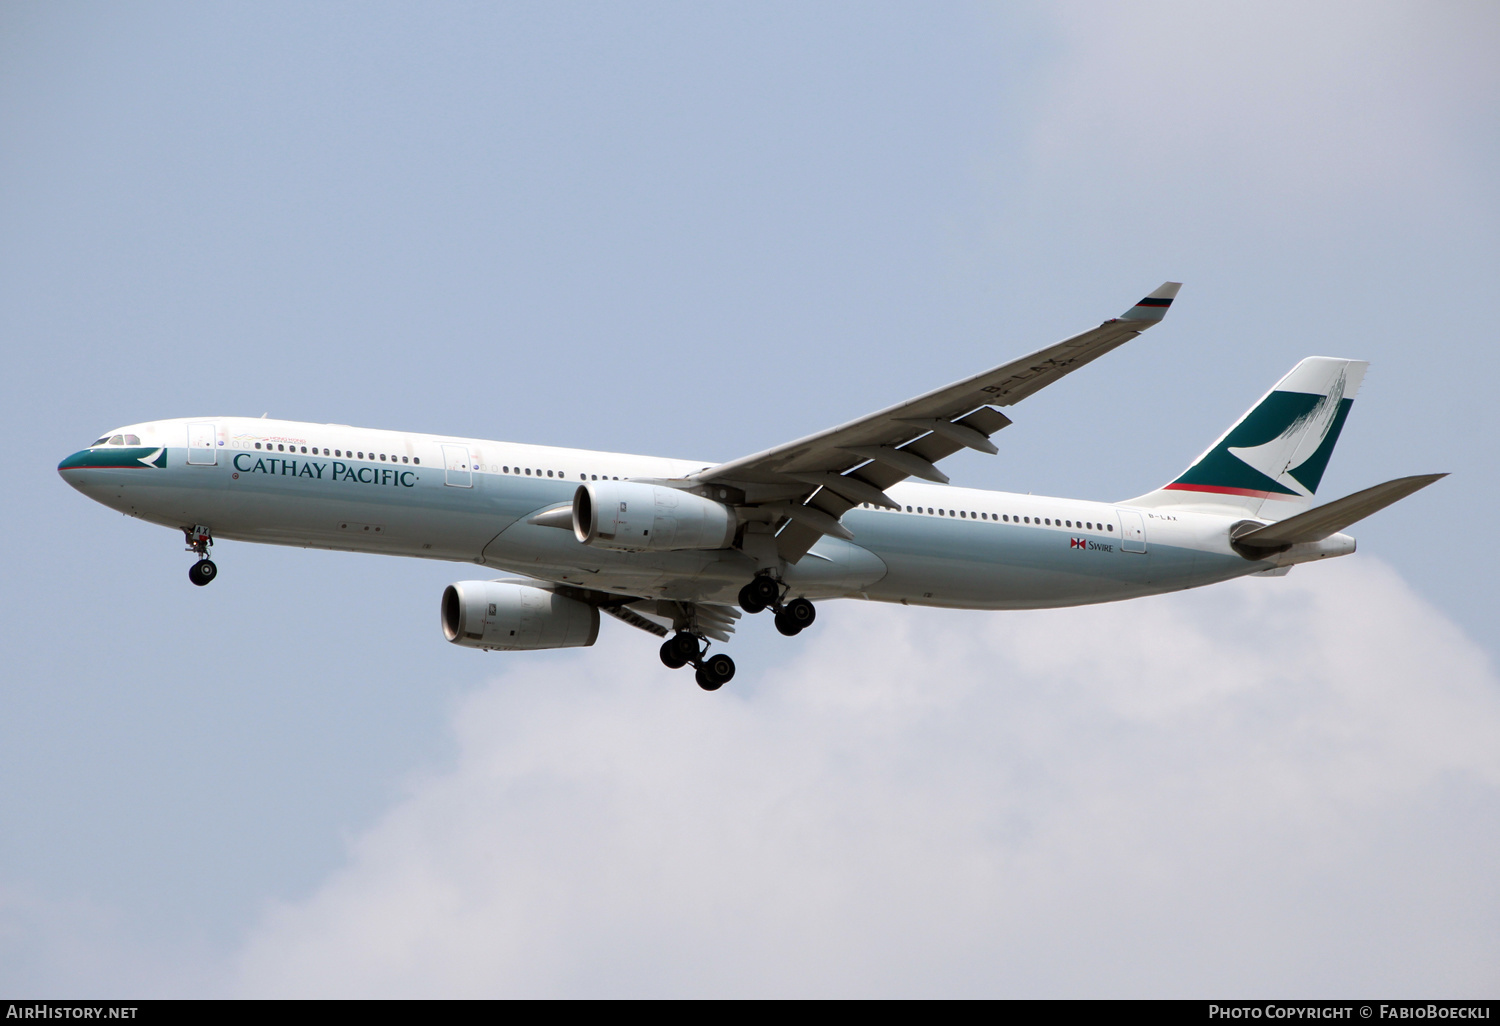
[
  {"x": 1303, "y": 437},
  {"x": 1280, "y": 448}
]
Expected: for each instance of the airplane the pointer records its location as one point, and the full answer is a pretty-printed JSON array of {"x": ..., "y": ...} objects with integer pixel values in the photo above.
[{"x": 678, "y": 548}]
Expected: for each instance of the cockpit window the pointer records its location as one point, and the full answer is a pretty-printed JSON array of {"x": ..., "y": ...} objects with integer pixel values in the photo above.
[
  {"x": 121, "y": 439},
  {"x": 99, "y": 441},
  {"x": 132, "y": 439}
]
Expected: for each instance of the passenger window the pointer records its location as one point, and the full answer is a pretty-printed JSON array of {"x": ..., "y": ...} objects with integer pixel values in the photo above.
[
  {"x": 549, "y": 473},
  {"x": 257, "y": 445},
  {"x": 361, "y": 455},
  {"x": 1109, "y": 527},
  {"x": 528, "y": 471},
  {"x": 405, "y": 459}
]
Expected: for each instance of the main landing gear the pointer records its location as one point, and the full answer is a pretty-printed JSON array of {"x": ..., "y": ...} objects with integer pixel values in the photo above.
[
  {"x": 764, "y": 592},
  {"x": 682, "y": 648},
  {"x": 199, "y": 541}
]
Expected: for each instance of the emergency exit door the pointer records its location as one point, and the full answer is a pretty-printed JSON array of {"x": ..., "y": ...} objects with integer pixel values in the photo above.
[
  {"x": 1132, "y": 531},
  {"x": 457, "y": 470}
]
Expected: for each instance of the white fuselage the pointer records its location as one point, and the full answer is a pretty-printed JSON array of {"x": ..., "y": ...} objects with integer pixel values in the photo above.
[{"x": 407, "y": 494}]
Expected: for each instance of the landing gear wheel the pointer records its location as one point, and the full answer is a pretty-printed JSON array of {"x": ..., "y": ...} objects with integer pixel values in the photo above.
[
  {"x": 203, "y": 571},
  {"x": 761, "y": 593},
  {"x": 715, "y": 672},
  {"x": 670, "y": 657},
  {"x": 749, "y": 601},
  {"x": 795, "y": 617},
  {"x": 684, "y": 649}
]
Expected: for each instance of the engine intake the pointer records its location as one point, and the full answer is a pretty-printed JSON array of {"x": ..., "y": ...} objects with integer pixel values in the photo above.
[
  {"x": 635, "y": 517},
  {"x": 514, "y": 617}
]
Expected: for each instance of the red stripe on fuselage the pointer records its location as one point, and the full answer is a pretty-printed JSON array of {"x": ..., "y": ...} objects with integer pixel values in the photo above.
[{"x": 1222, "y": 490}]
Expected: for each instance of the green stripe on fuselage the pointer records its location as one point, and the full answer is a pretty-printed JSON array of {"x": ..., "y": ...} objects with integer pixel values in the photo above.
[{"x": 132, "y": 457}]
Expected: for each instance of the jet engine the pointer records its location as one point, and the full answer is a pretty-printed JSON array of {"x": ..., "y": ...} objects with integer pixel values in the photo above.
[
  {"x": 635, "y": 517},
  {"x": 510, "y": 616}
]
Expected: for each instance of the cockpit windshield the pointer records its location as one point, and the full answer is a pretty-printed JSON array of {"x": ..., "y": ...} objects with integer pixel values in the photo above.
[{"x": 121, "y": 439}]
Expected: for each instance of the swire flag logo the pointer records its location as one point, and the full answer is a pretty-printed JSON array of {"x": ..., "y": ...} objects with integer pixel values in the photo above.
[{"x": 1079, "y": 543}]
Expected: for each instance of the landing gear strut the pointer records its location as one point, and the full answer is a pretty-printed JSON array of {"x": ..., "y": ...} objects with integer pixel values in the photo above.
[
  {"x": 764, "y": 592},
  {"x": 199, "y": 540},
  {"x": 683, "y": 648}
]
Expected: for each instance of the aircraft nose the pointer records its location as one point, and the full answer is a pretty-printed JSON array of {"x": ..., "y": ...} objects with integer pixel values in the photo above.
[{"x": 74, "y": 462}]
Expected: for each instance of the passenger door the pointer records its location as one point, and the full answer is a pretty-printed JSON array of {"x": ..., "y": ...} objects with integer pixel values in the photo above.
[{"x": 202, "y": 444}]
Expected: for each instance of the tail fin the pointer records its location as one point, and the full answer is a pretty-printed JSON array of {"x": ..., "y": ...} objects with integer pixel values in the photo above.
[{"x": 1268, "y": 465}]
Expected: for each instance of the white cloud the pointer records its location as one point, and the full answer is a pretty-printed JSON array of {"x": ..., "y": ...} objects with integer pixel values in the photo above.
[{"x": 1270, "y": 787}]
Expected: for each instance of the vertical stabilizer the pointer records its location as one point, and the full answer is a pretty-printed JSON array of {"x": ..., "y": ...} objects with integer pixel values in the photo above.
[{"x": 1269, "y": 464}]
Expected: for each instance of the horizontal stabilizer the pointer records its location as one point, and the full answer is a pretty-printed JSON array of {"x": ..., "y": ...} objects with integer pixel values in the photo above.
[{"x": 1330, "y": 519}]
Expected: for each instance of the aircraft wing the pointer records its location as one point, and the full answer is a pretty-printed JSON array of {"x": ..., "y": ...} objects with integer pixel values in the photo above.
[{"x": 807, "y": 485}]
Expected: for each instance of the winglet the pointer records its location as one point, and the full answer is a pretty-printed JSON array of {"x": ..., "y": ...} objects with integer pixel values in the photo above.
[{"x": 1154, "y": 307}]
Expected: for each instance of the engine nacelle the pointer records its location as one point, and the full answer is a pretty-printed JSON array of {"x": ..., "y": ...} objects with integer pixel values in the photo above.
[
  {"x": 635, "y": 517},
  {"x": 515, "y": 617}
]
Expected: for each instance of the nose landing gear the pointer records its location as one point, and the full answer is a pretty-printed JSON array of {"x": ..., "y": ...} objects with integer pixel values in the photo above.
[
  {"x": 683, "y": 648},
  {"x": 199, "y": 540}
]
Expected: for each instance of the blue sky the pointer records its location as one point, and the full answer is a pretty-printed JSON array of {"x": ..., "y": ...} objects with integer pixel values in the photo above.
[{"x": 697, "y": 231}]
